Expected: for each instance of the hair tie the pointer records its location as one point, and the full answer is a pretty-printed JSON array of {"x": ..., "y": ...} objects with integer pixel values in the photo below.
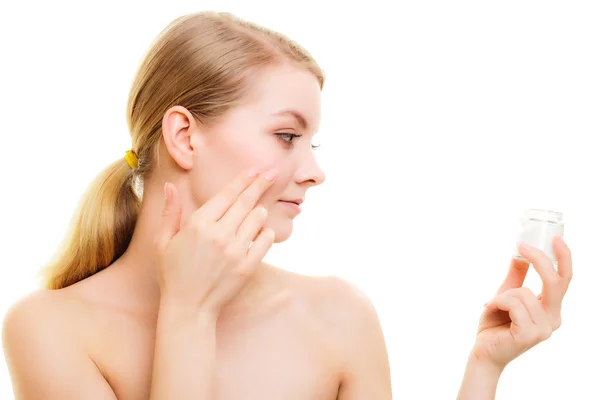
[{"x": 131, "y": 158}]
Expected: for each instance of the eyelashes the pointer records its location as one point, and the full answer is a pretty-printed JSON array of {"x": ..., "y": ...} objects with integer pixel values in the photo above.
[{"x": 292, "y": 136}]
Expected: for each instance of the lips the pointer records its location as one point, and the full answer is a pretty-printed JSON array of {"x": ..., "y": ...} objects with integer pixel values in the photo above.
[
  {"x": 292, "y": 205},
  {"x": 297, "y": 201}
]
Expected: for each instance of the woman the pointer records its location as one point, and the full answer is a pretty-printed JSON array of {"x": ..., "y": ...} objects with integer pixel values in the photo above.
[{"x": 224, "y": 112}]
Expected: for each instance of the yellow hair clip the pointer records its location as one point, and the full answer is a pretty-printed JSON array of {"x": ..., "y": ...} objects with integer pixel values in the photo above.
[{"x": 131, "y": 158}]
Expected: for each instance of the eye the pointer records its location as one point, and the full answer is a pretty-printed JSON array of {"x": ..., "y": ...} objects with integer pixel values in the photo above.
[{"x": 288, "y": 138}]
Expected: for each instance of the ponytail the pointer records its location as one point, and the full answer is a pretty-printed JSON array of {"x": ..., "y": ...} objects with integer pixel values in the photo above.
[{"x": 100, "y": 229}]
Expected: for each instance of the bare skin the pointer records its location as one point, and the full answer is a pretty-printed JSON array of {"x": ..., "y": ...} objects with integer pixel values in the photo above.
[
  {"x": 152, "y": 326},
  {"x": 284, "y": 336},
  {"x": 287, "y": 342},
  {"x": 190, "y": 311}
]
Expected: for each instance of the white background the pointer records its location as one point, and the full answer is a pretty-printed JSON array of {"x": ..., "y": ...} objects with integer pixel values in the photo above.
[{"x": 442, "y": 121}]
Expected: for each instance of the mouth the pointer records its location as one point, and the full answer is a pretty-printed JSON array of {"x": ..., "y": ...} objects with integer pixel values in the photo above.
[
  {"x": 296, "y": 202},
  {"x": 293, "y": 205}
]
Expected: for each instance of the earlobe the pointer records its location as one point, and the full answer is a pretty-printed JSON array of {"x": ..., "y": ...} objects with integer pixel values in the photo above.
[{"x": 177, "y": 127}]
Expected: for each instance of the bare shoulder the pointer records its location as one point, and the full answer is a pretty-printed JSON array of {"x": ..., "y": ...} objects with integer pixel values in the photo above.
[
  {"x": 44, "y": 318},
  {"x": 45, "y": 349},
  {"x": 42, "y": 309},
  {"x": 351, "y": 326},
  {"x": 339, "y": 305}
]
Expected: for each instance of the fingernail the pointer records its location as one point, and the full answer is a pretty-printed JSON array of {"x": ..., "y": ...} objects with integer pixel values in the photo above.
[
  {"x": 253, "y": 173},
  {"x": 167, "y": 190},
  {"x": 524, "y": 248},
  {"x": 270, "y": 175},
  {"x": 263, "y": 211}
]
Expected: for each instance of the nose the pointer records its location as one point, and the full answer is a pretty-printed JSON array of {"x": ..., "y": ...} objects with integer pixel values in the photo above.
[{"x": 308, "y": 171}]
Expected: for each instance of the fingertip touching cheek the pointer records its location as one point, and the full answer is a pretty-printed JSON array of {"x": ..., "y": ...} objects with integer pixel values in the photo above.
[{"x": 274, "y": 128}]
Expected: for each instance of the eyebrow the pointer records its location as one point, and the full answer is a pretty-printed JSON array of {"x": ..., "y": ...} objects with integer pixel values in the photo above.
[{"x": 299, "y": 117}]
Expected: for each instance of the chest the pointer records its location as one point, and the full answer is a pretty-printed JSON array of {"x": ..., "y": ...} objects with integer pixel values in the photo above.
[{"x": 278, "y": 358}]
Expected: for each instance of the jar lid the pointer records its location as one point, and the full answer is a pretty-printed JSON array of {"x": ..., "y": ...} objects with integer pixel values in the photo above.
[{"x": 536, "y": 214}]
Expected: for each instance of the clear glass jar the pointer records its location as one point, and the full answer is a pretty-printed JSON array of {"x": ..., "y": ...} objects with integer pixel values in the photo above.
[{"x": 538, "y": 228}]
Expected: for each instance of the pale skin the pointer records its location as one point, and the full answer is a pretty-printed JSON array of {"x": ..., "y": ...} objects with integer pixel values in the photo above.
[{"x": 190, "y": 311}]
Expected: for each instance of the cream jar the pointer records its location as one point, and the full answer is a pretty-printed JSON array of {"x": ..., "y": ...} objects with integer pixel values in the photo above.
[{"x": 538, "y": 228}]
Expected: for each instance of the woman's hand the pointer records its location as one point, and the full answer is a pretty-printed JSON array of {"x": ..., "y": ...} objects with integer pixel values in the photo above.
[
  {"x": 516, "y": 320},
  {"x": 206, "y": 263}
]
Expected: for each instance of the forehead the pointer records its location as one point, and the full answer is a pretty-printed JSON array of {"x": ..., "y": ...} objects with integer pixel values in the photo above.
[{"x": 283, "y": 91}]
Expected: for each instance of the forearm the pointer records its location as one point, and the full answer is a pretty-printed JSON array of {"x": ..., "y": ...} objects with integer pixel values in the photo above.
[
  {"x": 184, "y": 354},
  {"x": 479, "y": 381}
]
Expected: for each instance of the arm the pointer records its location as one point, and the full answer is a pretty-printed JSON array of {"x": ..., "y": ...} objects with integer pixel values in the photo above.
[
  {"x": 44, "y": 360},
  {"x": 479, "y": 381},
  {"x": 184, "y": 354},
  {"x": 367, "y": 369},
  {"x": 516, "y": 319}
]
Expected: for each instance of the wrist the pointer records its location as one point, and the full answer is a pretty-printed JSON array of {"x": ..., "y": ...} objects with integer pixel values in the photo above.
[
  {"x": 480, "y": 379},
  {"x": 484, "y": 367},
  {"x": 183, "y": 310}
]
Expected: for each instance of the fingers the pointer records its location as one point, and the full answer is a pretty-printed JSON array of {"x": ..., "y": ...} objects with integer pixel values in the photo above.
[
  {"x": 555, "y": 283},
  {"x": 216, "y": 206},
  {"x": 259, "y": 248},
  {"x": 565, "y": 263},
  {"x": 171, "y": 216},
  {"x": 250, "y": 228},
  {"x": 516, "y": 310},
  {"x": 551, "y": 290},
  {"x": 533, "y": 306},
  {"x": 515, "y": 276},
  {"x": 531, "y": 322},
  {"x": 246, "y": 201}
]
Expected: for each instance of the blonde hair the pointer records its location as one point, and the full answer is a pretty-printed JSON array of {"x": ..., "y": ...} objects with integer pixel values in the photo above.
[{"x": 200, "y": 61}]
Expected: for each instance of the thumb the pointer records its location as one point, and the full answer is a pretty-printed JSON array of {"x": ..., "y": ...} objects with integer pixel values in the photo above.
[
  {"x": 515, "y": 277},
  {"x": 171, "y": 215}
]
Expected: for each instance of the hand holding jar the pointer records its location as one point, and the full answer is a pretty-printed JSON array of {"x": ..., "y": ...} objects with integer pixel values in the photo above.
[{"x": 516, "y": 319}]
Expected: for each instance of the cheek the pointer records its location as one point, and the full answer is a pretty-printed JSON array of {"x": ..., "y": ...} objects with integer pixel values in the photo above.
[
  {"x": 277, "y": 191},
  {"x": 224, "y": 161},
  {"x": 265, "y": 158},
  {"x": 258, "y": 156}
]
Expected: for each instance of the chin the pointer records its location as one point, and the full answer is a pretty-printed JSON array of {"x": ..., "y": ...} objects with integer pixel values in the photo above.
[{"x": 283, "y": 231}]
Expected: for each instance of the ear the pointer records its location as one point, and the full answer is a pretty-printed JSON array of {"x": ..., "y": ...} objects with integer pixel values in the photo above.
[{"x": 178, "y": 125}]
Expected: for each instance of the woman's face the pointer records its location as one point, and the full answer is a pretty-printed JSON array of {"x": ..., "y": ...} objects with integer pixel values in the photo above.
[{"x": 273, "y": 129}]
